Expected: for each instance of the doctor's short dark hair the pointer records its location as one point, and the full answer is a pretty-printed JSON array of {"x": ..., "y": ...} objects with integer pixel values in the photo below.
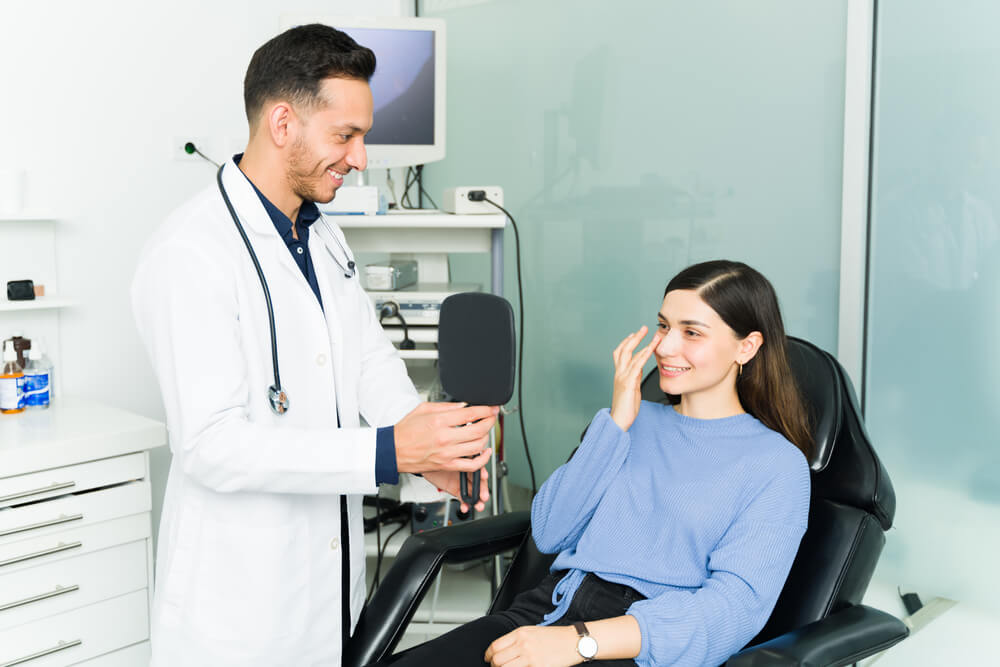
[{"x": 292, "y": 65}]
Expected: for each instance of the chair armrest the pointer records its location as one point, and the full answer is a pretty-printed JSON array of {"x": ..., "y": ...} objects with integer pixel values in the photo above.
[
  {"x": 843, "y": 638},
  {"x": 385, "y": 617}
]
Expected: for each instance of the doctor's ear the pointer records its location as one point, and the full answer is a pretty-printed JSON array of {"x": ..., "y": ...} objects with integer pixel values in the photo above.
[{"x": 278, "y": 119}]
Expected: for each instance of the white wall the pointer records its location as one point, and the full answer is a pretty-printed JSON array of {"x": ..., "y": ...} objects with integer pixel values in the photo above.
[{"x": 94, "y": 96}]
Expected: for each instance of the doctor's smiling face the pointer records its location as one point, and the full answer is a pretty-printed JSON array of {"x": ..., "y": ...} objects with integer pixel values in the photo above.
[{"x": 329, "y": 139}]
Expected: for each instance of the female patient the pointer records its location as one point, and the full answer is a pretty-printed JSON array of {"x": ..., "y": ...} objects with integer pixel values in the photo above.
[{"x": 675, "y": 525}]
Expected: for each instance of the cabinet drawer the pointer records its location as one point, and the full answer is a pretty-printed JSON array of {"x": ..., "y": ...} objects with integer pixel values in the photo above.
[
  {"x": 71, "y": 542},
  {"x": 137, "y": 655},
  {"x": 77, "y": 635},
  {"x": 53, "y": 588},
  {"x": 71, "y": 479},
  {"x": 73, "y": 511}
]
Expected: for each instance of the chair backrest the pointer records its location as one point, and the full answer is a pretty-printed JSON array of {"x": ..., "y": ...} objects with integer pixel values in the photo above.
[{"x": 852, "y": 504}]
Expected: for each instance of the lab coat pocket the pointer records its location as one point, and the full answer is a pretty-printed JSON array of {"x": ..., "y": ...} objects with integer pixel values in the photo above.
[{"x": 250, "y": 585}]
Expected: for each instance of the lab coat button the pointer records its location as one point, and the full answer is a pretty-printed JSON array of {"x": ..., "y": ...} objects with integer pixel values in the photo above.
[
  {"x": 334, "y": 544},
  {"x": 321, "y": 360}
]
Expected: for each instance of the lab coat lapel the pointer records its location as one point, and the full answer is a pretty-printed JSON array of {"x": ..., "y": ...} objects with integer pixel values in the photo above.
[
  {"x": 260, "y": 230},
  {"x": 331, "y": 287}
]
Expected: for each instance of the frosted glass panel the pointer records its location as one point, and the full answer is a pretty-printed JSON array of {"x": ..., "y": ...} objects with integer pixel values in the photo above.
[
  {"x": 632, "y": 139},
  {"x": 934, "y": 364}
]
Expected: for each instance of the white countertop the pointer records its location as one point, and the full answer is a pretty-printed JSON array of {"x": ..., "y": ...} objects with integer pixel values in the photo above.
[{"x": 72, "y": 430}]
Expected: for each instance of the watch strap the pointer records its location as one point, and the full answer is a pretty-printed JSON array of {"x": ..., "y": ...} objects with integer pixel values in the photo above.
[{"x": 585, "y": 638}]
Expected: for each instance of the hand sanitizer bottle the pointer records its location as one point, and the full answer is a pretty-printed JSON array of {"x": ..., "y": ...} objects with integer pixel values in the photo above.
[
  {"x": 37, "y": 379},
  {"x": 11, "y": 381}
]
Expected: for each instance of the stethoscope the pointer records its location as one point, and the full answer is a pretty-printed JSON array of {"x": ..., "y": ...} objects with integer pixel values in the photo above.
[{"x": 276, "y": 396}]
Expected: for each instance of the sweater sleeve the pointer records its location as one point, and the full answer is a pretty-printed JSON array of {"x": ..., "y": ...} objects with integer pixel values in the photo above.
[
  {"x": 747, "y": 570},
  {"x": 568, "y": 498}
]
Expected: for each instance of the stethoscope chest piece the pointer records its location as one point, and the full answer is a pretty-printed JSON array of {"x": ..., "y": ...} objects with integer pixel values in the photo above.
[{"x": 278, "y": 400}]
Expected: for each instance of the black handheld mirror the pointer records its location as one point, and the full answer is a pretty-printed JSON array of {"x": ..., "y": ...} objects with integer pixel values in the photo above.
[{"x": 476, "y": 356}]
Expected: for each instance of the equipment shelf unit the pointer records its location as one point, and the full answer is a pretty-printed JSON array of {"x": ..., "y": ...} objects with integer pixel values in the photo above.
[
  {"x": 29, "y": 252},
  {"x": 428, "y": 237}
]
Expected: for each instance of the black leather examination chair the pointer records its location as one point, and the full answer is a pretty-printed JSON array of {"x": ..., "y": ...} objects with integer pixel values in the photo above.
[{"x": 818, "y": 619}]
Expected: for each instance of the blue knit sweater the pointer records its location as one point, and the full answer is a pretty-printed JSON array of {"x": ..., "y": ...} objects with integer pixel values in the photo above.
[{"x": 702, "y": 516}]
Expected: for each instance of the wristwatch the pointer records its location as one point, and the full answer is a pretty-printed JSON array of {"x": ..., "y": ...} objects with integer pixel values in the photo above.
[{"x": 586, "y": 645}]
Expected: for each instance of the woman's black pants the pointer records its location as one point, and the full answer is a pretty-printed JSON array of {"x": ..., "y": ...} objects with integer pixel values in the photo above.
[{"x": 596, "y": 599}]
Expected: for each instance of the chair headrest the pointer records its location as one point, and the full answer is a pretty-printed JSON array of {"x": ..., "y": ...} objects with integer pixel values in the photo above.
[
  {"x": 819, "y": 382},
  {"x": 845, "y": 467}
]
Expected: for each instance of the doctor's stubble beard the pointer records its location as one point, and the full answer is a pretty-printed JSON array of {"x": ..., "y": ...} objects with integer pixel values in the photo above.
[{"x": 302, "y": 177}]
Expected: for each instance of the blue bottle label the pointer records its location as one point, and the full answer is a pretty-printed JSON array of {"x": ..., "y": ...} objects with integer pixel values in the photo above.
[{"x": 36, "y": 389}]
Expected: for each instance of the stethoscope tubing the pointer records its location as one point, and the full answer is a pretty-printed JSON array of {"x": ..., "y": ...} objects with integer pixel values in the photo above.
[{"x": 278, "y": 398}]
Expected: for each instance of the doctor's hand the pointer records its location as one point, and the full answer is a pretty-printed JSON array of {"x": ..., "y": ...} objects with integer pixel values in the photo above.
[
  {"x": 628, "y": 376},
  {"x": 449, "y": 482},
  {"x": 439, "y": 436}
]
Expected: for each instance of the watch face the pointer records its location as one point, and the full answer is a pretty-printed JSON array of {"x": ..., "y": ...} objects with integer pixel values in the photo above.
[{"x": 587, "y": 646}]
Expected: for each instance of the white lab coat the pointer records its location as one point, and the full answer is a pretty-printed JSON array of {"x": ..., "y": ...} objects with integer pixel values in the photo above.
[{"x": 249, "y": 560}]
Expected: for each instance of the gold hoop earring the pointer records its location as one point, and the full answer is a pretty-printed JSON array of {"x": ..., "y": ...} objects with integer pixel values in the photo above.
[{"x": 739, "y": 373}]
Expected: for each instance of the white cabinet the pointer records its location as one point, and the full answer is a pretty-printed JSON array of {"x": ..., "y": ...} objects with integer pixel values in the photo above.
[{"x": 76, "y": 559}]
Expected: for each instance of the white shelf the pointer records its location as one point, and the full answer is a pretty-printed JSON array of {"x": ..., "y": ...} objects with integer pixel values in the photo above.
[
  {"x": 39, "y": 303},
  {"x": 27, "y": 217},
  {"x": 417, "y": 334},
  {"x": 421, "y": 220},
  {"x": 418, "y": 354}
]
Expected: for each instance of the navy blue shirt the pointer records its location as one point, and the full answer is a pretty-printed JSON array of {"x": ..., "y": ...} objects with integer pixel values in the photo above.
[{"x": 385, "y": 440}]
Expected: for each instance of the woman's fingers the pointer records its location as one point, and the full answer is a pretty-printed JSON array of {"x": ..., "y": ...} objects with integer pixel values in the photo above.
[
  {"x": 623, "y": 353},
  {"x": 645, "y": 353}
]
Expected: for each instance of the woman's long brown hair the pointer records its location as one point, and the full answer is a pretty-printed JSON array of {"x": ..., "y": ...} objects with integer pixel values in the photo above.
[{"x": 746, "y": 301}]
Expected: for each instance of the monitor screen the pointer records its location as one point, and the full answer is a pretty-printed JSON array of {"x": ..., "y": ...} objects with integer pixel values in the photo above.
[
  {"x": 408, "y": 88},
  {"x": 403, "y": 85}
]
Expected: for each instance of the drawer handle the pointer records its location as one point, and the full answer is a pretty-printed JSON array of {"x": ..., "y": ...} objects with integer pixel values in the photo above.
[
  {"x": 61, "y": 646},
  {"x": 42, "y": 524},
  {"x": 38, "y": 554},
  {"x": 42, "y": 596},
  {"x": 54, "y": 486}
]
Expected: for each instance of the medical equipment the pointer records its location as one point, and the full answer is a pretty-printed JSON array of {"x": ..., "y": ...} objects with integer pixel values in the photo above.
[
  {"x": 391, "y": 275},
  {"x": 420, "y": 303},
  {"x": 461, "y": 201},
  {"x": 276, "y": 396},
  {"x": 409, "y": 89},
  {"x": 354, "y": 200}
]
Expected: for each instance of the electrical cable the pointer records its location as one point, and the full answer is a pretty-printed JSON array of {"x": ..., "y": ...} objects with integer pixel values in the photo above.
[
  {"x": 420, "y": 187},
  {"x": 378, "y": 559},
  {"x": 391, "y": 309},
  {"x": 520, "y": 336},
  {"x": 408, "y": 181},
  {"x": 191, "y": 149},
  {"x": 414, "y": 176},
  {"x": 392, "y": 186}
]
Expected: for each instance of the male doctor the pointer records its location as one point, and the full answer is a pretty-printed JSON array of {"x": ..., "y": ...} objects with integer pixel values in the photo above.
[{"x": 261, "y": 546}]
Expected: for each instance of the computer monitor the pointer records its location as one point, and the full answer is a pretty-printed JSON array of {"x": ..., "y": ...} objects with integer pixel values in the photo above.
[{"x": 408, "y": 88}]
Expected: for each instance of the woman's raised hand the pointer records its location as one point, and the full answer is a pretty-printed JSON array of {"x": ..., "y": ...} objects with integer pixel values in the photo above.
[{"x": 628, "y": 376}]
